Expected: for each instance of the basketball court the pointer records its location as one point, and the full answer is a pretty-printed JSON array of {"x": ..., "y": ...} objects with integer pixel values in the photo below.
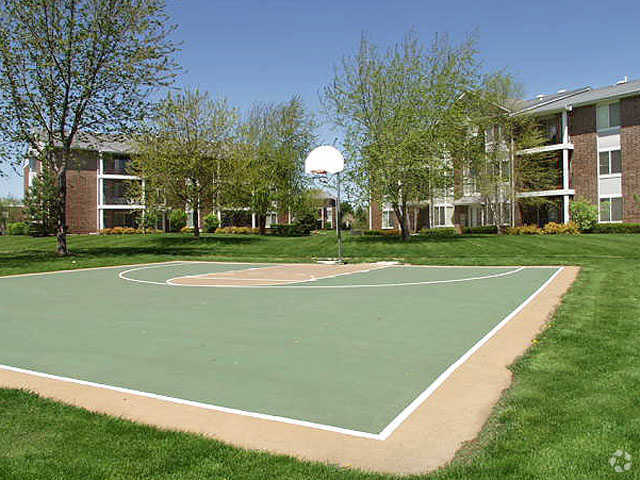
[{"x": 377, "y": 366}]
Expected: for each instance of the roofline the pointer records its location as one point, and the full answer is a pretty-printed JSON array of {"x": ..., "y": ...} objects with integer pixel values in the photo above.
[
  {"x": 548, "y": 102},
  {"x": 579, "y": 104},
  {"x": 612, "y": 97}
]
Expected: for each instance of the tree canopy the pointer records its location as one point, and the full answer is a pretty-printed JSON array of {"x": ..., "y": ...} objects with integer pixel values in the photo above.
[
  {"x": 70, "y": 66},
  {"x": 398, "y": 109},
  {"x": 269, "y": 157},
  {"x": 185, "y": 150}
]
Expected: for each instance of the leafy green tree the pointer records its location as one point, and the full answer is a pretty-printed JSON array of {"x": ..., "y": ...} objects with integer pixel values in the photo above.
[
  {"x": 269, "y": 157},
  {"x": 485, "y": 148},
  {"x": 584, "y": 214},
  {"x": 177, "y": 220},
  {"x": 72, "y": 66},
  {"x": 183, "y": 152},
  {"x": 10, "y": 212},
  {"x": 211, "y": 223},
  {"x": 40, "y": 200},
  {"x": 398, "y": 110}
]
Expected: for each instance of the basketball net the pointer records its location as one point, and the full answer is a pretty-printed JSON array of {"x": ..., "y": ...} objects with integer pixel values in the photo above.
[{"x": 319, "y": 172}]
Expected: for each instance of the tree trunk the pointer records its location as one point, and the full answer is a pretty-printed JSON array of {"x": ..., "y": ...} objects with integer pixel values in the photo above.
[
  {"x": 262, "y": 224},
  {"x": 61, "y": 213},
  {"x": 401, "y": 213},
  {"x": 196, "y": 220}
]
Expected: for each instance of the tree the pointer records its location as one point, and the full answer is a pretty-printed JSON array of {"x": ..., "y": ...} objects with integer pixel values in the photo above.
[
  {"x": 486, "y": 149},
  {"x": 398, "y": 109},
  {"x": 68, "y": 66},
  {"x": 274, "y": 139},
  {"x": 184, "y": 150},
  {"x": 40, "y": 200},
  {"x": 10, "y": 212}
]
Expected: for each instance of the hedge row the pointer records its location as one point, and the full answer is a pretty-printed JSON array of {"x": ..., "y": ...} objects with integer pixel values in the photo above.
[
  {"x": 127, "y": 231},
  {"x": 616, "y": 228},
  {"x": 483, "y": 229},
  {"x": 551, "y": 228},
  {"x": 290, "y": 230},
  {"x": 443, "y": 232}
]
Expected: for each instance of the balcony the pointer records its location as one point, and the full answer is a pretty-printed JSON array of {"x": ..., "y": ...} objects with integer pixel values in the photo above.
[
  {"x": 552, "y": 132},
  {"x": 113, "y": 164},
  {"x": 117, "y": 192}
]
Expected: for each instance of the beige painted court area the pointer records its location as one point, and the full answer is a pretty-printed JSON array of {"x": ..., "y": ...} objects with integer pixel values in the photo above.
[{"x": 381, "y": 367}]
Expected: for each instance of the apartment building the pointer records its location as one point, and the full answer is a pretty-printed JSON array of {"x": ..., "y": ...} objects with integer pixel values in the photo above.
[
  {"x": 594, "y": 136},
  {"x": 97, "y": 182}
]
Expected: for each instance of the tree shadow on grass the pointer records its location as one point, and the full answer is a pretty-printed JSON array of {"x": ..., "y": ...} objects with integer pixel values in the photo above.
[
  {"x": 397, "y": 240},
  {"x": 208, "y": 240}
]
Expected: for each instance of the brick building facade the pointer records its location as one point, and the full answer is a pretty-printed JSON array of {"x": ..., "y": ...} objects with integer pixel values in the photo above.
[
  {"x": 97, "y": 183},
  {"x": 595, "y": 136}
]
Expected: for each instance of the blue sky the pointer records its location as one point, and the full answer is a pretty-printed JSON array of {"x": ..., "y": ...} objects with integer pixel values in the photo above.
[{"x": 268, "y": 50}]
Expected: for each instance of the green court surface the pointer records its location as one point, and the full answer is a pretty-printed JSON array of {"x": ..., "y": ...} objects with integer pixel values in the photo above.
[{"x": 352, "y": 356}]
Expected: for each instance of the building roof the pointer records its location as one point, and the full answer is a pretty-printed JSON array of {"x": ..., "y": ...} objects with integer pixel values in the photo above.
[
  {"x": 582, "y": 96},
  {"x": 104, "y": 142}
]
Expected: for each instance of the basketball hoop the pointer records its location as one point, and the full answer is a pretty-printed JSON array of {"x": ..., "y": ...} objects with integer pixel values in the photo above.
[
  {"x": 324, "y": 160},
  {"x": 327, "y": 160}
]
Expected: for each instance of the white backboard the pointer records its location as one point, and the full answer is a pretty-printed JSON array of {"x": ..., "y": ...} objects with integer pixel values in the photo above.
[{"x": 324, "y": 159}]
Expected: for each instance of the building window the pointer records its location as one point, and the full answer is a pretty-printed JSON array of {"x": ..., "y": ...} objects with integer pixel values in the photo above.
[
  {"x": 608, "y": 116},
  {"x": 611, "y": 209},
  {"x": 610, "y": 162},
  {"x": 121, "y": 218},
  {"x": 442, "y": 216},
  {"x": 387, "y": 218}
]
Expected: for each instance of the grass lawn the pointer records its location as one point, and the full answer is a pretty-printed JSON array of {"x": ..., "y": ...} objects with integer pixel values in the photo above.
[{"x": 573, "y": 403}]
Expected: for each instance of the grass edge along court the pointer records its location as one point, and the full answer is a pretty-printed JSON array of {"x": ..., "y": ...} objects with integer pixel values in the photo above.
[{"x": 425, "y": 438}]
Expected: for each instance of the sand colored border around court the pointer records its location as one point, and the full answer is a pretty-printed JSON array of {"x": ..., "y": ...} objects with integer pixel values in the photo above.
[{"x": 427, "y": 439}]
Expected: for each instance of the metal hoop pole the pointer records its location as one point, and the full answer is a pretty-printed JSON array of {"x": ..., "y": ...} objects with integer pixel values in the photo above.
[{"x": 338, "y": 231}]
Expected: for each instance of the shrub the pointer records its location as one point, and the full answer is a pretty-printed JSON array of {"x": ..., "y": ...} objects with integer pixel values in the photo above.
[
  {"x": 291, "y": 230},
  {"x": 307, "y": 223},
  {"x": 584, "y": 214},
  {"x": 444, "y": 232},
  {"x": 237, "y": 230},
  {"x": 616, "y": 228},
  {"x": 177, "y": 220},
  {"x": 382, "y": 233},
  {"x": 553, "y": 228},
  {"x": 127, "y": 231},
  {"x": 211, "y": 223},
  {"x": 525, "y": 230},
  {"x": 18, "y": 228},
  {"x": 483, "y": 229}
]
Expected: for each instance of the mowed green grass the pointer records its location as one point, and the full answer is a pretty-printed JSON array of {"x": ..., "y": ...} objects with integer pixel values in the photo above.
[{"x": 574, "y": 401}]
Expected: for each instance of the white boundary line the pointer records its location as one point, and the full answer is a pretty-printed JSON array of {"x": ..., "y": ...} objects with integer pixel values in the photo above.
[
  {"x": 170, "y": 282},
  {"x": 402, "y": 416},
  {"x": 383, "y": 435},
  {"x": 206, "y": 406},
  {"x": 87, "y": 269}
]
